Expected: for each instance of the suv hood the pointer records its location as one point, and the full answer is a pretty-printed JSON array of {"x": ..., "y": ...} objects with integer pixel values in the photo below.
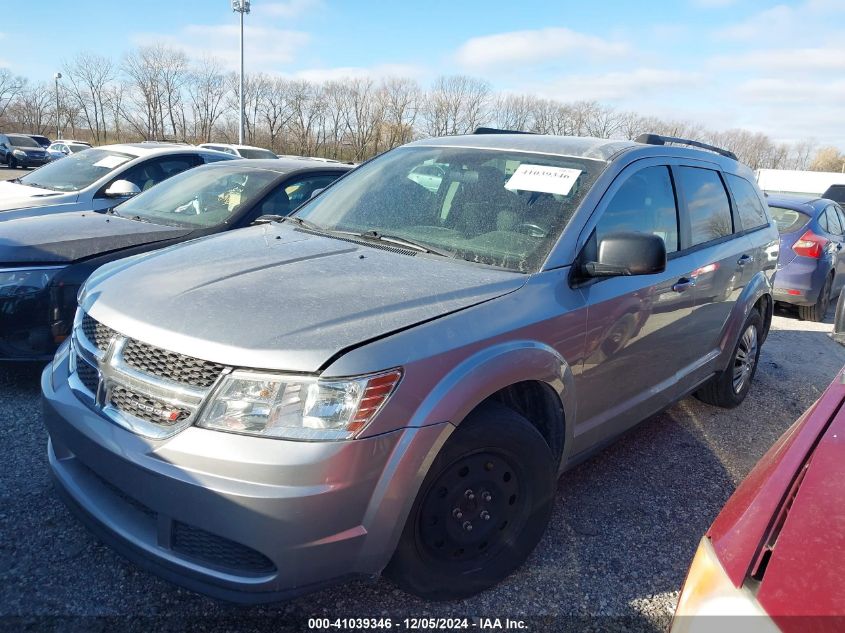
[
  {"x": 62, "y": 238},
  {"x": 273, "y": 297}
]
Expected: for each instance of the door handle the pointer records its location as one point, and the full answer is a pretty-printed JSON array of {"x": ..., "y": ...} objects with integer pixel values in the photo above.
[
  {"x": 745, "y": 259},
  {"x": 683, "y": 284}
]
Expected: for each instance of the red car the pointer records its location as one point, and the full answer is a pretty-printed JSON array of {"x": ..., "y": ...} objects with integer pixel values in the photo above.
[{"x": 777, "y": 549}]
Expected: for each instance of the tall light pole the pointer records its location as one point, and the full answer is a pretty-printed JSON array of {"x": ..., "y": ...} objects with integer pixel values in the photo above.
[
  {"x": 57, "y": 76},
  {"x": 241, "y": 6}
]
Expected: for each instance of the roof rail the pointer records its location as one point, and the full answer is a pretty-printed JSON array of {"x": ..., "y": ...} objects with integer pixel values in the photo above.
[
  {"x": 494, "y": 130},
  {"x": 657, "y": 139}
]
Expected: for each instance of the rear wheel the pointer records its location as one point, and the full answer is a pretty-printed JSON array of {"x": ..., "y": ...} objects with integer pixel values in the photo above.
[
  {"x": 481, "y": 510},
  {"x": 728, "y": 388},
  {"x": 818, "y": 310}
]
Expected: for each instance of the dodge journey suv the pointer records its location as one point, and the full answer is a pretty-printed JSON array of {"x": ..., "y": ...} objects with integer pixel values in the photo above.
[{"x": 393, "y": 378}]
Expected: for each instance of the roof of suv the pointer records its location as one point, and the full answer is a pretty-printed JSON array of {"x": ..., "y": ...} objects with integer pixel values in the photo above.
[
  {"x": 231, "y": 145},
  {"x": 151, "y": 149}
]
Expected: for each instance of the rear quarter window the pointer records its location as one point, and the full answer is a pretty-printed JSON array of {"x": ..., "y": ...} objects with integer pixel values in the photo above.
[
  {"x": 788, "y": 220},
  {"x": 707, "y": 204},
  {"x": 752, "y": 213}
]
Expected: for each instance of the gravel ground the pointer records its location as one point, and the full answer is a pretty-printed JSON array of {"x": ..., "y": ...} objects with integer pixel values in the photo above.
[{"x": 624, "y": 529}]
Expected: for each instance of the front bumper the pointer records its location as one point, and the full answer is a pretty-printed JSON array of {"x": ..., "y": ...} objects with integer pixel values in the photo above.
[
  {"x": 240, "y": 518},
  {"x": 33, "y": 325}
]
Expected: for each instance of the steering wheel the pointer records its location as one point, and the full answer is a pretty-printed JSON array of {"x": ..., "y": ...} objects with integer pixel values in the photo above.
[{"x": 531, "y": 229}]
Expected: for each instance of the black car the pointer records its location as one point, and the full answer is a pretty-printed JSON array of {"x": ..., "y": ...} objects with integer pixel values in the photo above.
[
  {"x": 21, "y": 150},
  {"x": 44, "y": 259},
  {"x": 42, "y": 140}
]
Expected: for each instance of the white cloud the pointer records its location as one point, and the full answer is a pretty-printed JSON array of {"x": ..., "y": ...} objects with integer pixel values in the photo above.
[
  {"x": 534, "y": 46},
  {"x": 771, "y": 23},
  {"x": 288, "y": 10},
  {"x": 266, "y": 48},
  {"x": 619, "y": 85},
  {"x": 381, "y": 71},
  {"x": 783, "y": 60}
]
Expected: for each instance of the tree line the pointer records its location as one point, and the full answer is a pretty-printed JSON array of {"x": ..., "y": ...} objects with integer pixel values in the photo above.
[{"x": 158, "y": 92}]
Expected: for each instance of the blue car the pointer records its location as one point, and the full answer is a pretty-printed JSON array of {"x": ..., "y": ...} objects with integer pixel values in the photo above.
[{"x": 811, "y": 260}]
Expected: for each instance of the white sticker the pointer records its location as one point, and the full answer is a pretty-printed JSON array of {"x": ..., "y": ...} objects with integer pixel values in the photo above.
[
  {"x": 110, "y": 162},
  {"x": 540, "y": 178}
]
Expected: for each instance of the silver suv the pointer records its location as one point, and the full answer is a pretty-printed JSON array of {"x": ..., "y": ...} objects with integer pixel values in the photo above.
[{"x": 393, "y": 378}]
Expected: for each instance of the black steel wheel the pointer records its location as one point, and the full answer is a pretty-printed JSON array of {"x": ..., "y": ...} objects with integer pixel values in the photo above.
[{"x": 481, "y": 510}]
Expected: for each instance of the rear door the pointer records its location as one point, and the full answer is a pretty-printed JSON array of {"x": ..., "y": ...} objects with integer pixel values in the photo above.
[
  {"x": 836, "y": 228},
  {"x": 723, "y": 260}
]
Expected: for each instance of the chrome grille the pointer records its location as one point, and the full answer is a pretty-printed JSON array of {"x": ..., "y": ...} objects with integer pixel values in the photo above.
[
  {"x": 97, "y": 333},
  {"x": 170, "y": 365},
  {"x": 143, "y": 388},
  {"x": 147, "y": 408},
  {"x": 88, "y": 375}
]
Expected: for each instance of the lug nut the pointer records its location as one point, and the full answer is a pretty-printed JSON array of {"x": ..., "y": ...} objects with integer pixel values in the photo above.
[
  {"x": 467, "y": 526},
  {"x": 469, "y": 494},
  {"x": 485, "y": 515},
  {"x": 487, "y": 496},
  {"x": 457, "y": 513}
]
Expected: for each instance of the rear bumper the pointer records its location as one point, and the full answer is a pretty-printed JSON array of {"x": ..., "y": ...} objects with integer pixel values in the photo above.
[
  {"x": 804, "y": 277},
  {"x": 239, "y": 518}
]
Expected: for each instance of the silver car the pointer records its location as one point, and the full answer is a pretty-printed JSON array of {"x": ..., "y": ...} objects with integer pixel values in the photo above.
[{"x": 393, "y": 378}]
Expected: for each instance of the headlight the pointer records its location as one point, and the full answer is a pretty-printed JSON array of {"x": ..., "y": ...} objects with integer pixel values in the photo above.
[
  {"x": 709, "y": 592},
  {"x": 15, "y": 282},
  {"x": 19, "y": 153},
  {"x": 295, "y": 407}
]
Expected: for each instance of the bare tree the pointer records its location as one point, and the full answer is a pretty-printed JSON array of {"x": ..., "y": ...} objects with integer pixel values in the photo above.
[
  {"x": 274, "y": 109},
  {"x": 206, "y": 89},
  {"x": 456, "y": 105},
  {"x": 88, "y": 78},
  {"x": 10, "y": 87},
  {"x": 34, "y": 109},
  {"x": 828, "y": 159},
  {"x": 514, "y": 112},
  {"x": 400, "y": 106}
]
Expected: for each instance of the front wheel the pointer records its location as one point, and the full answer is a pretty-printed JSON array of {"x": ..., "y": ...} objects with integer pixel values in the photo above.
[
  {"x": 481, "y": 510},
  {"x": 11, "y": 162},
  {"x": 728, "y": 388}
]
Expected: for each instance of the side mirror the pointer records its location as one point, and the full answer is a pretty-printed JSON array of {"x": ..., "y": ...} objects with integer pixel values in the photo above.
[
  {"x": 266, "y": 219},
  {"x": 122, "y": 189},
  {"x": 65, "y": 151},
  {"x": 315, "y": 192},
  {"x": 625, "y": 254}
]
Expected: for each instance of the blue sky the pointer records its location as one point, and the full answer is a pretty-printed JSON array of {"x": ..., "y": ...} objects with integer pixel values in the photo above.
[{"x": 775, "y": 67}]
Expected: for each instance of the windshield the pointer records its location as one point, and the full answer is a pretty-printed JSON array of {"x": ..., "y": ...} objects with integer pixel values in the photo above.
[
  {"x": 201, "y": 197},
  {"x": 78, "y": 148},
  {"x": 500, "y": 208},
  {"x": 22, "y": 141},
  {"x": 76, "y": 171},
  {"x": 256, "y": 153},
  {"x": 788, "y": 220}
]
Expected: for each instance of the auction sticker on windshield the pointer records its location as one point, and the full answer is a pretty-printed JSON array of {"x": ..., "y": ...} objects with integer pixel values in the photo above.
[
  {"x": 543, "y": 179},
  {"x": 109, "y": 162}
]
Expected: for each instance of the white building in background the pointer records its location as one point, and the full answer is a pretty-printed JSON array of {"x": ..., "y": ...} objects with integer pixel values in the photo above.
[{"x": 794, "y": 181}]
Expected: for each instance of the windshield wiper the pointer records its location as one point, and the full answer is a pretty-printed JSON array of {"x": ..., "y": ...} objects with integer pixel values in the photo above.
[
  {"x": 30, "y": 184},
  {"x": 304, "y": 223},
  {"x": 404, "y": 241}
]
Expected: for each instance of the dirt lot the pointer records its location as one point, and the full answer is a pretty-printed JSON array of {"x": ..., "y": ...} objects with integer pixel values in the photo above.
[{"x": 624, "y": 529}]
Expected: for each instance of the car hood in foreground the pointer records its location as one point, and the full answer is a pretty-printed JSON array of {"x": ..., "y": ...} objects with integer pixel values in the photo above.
[
  {"x": 273, "y": 297},
  {"x": 62, "y": 238},
  {"x": 793, "y": 504}
]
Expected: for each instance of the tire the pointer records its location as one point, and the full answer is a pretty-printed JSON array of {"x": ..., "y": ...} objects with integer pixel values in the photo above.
[
  {"x": 728, "y": 388},
  {"x": 496, "y": 463},
  {"x": 12, "y": 162},
  {"x": 818, "y": 310}
]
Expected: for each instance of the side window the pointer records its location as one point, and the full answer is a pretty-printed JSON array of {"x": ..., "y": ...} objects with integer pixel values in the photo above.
[
  {"x": 823, "y": 221},
  {"x": 300, "y": 190},
  {"x": 841, "y": 215},
  {"x": 645, "y": 203},
  {"x": 212, "y": 158},
  {"x": 748, "y": 205},
  {"x": 707, "y": 202},
  {"x": 153, "y": 171},
  {"x": 833, "y": 221}
]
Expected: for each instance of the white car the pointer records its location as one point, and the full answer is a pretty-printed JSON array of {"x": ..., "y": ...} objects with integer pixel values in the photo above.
[
  {"x": 65, "y": 147},
  {"x": 98, "y": 178},
  {"x": 241, "y": 151}
]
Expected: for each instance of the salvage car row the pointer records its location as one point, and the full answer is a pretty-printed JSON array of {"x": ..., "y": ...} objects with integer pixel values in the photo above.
[{"x": 392, "y": 378}]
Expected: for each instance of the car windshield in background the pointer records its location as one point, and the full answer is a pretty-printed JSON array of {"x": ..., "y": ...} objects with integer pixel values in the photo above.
[
  {"x": 78, "y": 148},
  {"x": 256, "y": 153},
  {"x": 788, "y": 220},
  {"x": 199, "y": 198},
  {"x": 22, "y": 141},
  {"x": 76, "y": 171},
  {"x": 494, "y": 207}
]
